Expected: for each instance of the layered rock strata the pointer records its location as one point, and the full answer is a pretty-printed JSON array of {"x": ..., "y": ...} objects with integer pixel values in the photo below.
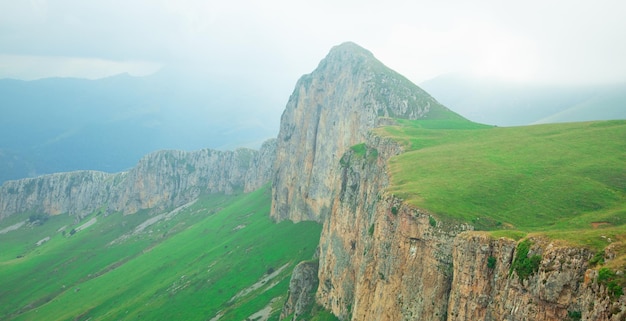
[
  {"x": 564, "y": 287},
  {"x": 330, "y": 110},
  {"x": 163, "y": 179},
  {"x": 381, "y": 259}
]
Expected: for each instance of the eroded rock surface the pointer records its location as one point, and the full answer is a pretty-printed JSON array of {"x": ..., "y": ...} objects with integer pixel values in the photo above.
[{"x": 330, "y": 110}]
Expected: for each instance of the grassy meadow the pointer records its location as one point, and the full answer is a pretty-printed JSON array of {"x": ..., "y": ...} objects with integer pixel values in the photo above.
[
  {"x": 220, "y": 256},
  {"x": 566, "y": 181}
]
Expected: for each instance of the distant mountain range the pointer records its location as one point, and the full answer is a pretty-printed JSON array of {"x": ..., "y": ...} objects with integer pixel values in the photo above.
[
  {"x": 63, "y": 124},
  {"x": 513, "y": 104}
]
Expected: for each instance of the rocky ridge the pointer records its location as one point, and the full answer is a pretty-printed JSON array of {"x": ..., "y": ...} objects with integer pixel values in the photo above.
[
  {"x": 330, "y": 110},
  {"x": 381, "y": 259},
  {"x": 164, "y": 179}
]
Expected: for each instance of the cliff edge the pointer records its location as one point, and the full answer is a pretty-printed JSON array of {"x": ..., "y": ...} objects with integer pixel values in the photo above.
[{"x": 330, "y": 110}]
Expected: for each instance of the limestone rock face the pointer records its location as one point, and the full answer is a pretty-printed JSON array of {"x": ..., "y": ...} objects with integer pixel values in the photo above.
[
  {"x": 381, "y": 259},
  {"x": 330, "y": 110},
  {"x": 301, "y": 290},
  {"x": 564, "y": 285},
  {"x": 75, "y": 193},
  {"x": 261, "y": 167},
  {"x": 163, "y": 179}
]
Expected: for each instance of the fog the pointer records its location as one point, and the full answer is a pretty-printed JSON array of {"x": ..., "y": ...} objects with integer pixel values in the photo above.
[
  {"x": 217, "y": 74},
  {"x": 529, "y": 41}
]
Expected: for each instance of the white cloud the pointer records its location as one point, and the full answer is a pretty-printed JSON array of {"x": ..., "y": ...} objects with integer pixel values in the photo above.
[
  {"x": 35, "y": 67},
  {"x": 533, "y": 40}
]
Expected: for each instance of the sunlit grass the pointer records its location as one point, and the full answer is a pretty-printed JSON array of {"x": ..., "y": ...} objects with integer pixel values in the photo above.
[
  {"x": 560, "y": 179},
  {"x": 187, "y": 268}
]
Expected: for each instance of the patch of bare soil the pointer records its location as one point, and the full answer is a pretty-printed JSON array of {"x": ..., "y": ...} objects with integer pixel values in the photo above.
[{"x": 599, "y": 224}]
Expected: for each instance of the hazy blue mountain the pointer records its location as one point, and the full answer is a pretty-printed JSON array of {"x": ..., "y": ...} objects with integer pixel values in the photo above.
[
  {"x": 63, "y": 124},
  {"x": 510, "y": 104},
  {"x": 607, "y": 103}
]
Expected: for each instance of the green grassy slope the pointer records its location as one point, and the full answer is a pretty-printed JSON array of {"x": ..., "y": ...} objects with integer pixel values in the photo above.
[
  {"x": 190, "y": 267},
  {"x": 560, "y": 179}
]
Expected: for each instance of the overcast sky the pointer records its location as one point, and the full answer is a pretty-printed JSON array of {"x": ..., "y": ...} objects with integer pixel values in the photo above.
[{"x": 275, "y": 41}]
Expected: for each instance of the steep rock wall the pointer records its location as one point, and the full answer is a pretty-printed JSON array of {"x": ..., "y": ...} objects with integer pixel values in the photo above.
[
  {"x": 330, "y": 110},
  {"x": 160, "y": 180},
  {"x": 302, "y": 288},
  {"x": 381, "y": 259},
  {"x": 564, "y": 287},
  {"x": 73, "y": 193}
]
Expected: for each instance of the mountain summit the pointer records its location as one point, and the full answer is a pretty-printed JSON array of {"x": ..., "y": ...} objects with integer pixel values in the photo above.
[{"x": 331, "y": 109}]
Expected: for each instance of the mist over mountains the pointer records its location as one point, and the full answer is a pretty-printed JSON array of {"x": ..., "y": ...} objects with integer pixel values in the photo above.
[
  {"x": 503, "y": 103},
  {"x": 64, "y": 124}
]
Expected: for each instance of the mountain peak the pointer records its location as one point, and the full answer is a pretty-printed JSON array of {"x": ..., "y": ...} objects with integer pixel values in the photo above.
[
  {"x": 330, "y": 110},
  {"x": 348, "y": 55},
  {"x": 349, "y": 48}
]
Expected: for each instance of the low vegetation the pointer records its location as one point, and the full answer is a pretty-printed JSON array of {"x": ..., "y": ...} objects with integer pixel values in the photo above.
[
  {"x": 555, "y": 177},
  {"x": 524, "y": 265},
  {"x": 613, "y": 282},
  {"x": 562, "y": 181},
  {"x": 220, "y": 256}
]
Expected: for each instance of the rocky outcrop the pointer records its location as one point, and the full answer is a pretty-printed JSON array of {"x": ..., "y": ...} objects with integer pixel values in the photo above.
[
  {"x": 330, "y": 110},
  {"x": 381, "y": 259},
  {"x": 563, "y": 287},
  {"x": 163, "y": 179},
  {"x": 301, "y": 290},
  {"x": 261, "y": 167},
  {"x": 74, "y": 193}
]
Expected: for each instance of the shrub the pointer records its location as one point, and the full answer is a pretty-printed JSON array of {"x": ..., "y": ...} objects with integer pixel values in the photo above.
[
  {"x": 432, "y": 221},
  {"x": 523, "y": 265},
  {"x": 39, "y": 219},
  {"x": 394, "y": 210},
  {"x": 574, "y": 315},
  {"x": 491, "y": 262},
  {"x": 598, "y": 258},
  {"x": 371, "y": 230},
  {"x": 612, "y": 281}
]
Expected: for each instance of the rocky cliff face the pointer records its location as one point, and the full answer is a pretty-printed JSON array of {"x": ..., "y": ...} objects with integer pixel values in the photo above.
[
  {"x": 563, "y": 288},
  {"x": 74, "y": 193},
  {"x": 162, "y": 179},
  {"x": 302, "y": 288},
  {"x": 381, "y": 259},
  {"x": 330, "y": 110}
]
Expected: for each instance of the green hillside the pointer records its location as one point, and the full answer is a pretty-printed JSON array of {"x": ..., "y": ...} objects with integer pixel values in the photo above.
[
  {"x": 564, "y": 180},
  {"x": 221, "y": 255}
]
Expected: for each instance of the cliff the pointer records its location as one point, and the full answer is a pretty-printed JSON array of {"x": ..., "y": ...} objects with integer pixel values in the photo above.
[
  {"x": 564, "y": 286},
  {"x": 163, "y": 179},
  {"x": 330, "y": 110},
  {"x": 379, "y": 258},
  {"x": 382, "y": 259}
]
